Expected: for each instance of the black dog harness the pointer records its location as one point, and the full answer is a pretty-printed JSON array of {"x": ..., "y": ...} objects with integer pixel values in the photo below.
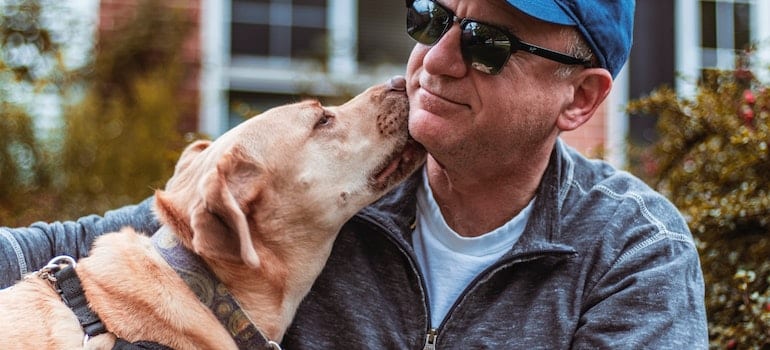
[
  {"x": 66, "y": 282},
  {"x": 209, "y": 290}
]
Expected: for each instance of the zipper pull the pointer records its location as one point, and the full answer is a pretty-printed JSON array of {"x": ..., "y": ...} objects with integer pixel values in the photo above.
[{"x": 430, "y": 340}]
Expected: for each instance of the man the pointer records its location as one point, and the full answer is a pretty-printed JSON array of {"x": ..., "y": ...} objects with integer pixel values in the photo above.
[{"x": 508, "y": 238}]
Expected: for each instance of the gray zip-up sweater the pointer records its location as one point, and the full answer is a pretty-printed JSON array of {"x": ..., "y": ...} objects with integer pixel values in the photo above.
[{"x": 604, "y": 263}]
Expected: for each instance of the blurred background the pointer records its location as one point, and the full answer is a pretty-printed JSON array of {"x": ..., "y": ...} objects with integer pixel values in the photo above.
[{"x": 99, "y": 97}]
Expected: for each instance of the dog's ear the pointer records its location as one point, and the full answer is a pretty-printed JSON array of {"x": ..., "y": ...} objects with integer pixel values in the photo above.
[
  {"x": 185, "y": 159},
  {"x": 219, "y": 223},
  {"x": 190, "y": 152}
]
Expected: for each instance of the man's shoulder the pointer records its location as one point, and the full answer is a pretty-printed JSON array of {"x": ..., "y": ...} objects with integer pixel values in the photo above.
[
  {"x": 618, "y": 225},
  {"x": 603, "y": 184},
  {"x": 617, "y": 203},
  {"x": 618, "y": 189}
]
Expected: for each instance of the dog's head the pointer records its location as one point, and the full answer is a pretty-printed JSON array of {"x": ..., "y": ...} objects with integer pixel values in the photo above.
[{"x": 289, "y": 176}]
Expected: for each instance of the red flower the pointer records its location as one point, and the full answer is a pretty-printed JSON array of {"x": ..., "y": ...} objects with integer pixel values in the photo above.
[
  {"x": 748, "y": 97},
  {"x": 743, "y": 75}
]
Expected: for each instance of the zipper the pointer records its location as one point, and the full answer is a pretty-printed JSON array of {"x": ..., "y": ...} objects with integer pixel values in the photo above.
[
  {"x": 503, "y": 263},
  {"x": 430, "y": 339},
  {"x": 431, "y": 333}
]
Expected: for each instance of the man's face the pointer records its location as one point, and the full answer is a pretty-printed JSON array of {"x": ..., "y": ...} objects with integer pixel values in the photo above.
[{"x": 466, "y": 118}]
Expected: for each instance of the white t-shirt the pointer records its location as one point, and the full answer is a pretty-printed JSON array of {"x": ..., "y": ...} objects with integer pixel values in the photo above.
[{"x": 449, "y": 261}]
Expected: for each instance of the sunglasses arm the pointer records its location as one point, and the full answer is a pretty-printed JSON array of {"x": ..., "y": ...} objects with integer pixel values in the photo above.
[{"x": 553, "y": 55}]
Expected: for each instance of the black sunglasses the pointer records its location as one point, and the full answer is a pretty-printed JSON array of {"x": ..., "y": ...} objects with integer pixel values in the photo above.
[{"x": 486, "y": 47}]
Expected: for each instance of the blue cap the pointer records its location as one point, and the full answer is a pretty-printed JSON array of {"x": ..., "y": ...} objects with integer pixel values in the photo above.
[{"x": 606, "y": 25}]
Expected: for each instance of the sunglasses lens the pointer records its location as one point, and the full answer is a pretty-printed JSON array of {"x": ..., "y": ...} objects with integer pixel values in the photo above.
[
  {"x": 486, "y": 47},
  {"x": 426, "y": 22}
]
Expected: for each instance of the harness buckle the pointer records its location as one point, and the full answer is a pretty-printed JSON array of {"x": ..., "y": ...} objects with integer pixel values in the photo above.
[
  {"x": 48, "y": 272},
  {"x": 55, "y": 262}
]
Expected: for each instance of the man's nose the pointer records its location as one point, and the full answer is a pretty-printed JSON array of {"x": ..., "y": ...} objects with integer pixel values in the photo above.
[{"x": 445, "y": 57}]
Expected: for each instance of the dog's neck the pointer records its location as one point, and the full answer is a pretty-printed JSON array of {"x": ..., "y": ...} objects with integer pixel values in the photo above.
[
  {"x": 279, "y": 285},
  {"x": 270, "y": 295}
]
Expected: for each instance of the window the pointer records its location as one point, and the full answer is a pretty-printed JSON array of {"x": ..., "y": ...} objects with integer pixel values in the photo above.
[
  {"x": 726, "y": 28},
  {"x": 382, "y": 33},
  {"x": 281, "y": 50},
  {"x": 279, "y": 28},
  {"x": 711, "y": 33}
]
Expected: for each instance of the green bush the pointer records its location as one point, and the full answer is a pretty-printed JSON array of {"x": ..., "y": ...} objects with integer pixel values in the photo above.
[
  {"x": 711, "y": 160},
  {"x": 120, "y": 135},
  {"x": 22, "y": 166}
]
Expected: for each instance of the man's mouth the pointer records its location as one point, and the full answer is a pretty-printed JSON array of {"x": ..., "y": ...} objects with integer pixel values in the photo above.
[{"x": 434, "y": 100}]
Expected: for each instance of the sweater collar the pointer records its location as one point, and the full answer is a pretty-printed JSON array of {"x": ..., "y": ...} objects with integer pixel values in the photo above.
[{"x": 395, "y": 212}]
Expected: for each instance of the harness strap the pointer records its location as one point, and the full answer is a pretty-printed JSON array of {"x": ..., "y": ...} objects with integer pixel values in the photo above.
[
  {"x": 69, "y": 287},
  {"x": 211, "y": 292},
  {"x": 121, "y": 344}
]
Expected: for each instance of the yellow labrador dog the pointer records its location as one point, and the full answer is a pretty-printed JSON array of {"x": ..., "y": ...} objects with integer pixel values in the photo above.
[{"x": 260, "y": 207}]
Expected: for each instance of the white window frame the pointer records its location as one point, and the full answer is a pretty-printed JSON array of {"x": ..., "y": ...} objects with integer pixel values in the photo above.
[
  {"x": 616, "y": 129},
  {"x": 688, "y": 41},
  {"x": 215, "y": 53}
]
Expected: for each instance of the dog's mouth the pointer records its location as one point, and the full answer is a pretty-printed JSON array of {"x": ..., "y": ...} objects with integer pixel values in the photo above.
[{"x": 399, "y": 165}]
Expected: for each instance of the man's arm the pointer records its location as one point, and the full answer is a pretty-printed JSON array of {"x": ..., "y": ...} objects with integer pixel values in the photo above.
[
  {"x": 27, "y": 249},
  {"x": 651, "y": 298}
]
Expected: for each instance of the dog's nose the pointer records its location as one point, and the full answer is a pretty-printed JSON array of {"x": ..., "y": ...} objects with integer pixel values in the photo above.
[{"x": 397, "y": 83}]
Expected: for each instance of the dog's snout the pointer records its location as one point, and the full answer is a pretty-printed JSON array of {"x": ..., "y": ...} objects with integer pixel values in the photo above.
[
  {"x": 392, "y": 117},
  {"x": 397, "y": 83}
]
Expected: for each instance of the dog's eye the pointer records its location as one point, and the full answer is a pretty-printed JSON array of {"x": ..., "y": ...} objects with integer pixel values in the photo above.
[{"x": 325, "y": 120}]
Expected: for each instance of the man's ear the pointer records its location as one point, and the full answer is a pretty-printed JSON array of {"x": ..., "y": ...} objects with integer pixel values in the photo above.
[
  {"x": 220, "y": 220},
  {"x": 592, "y": 86}
]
